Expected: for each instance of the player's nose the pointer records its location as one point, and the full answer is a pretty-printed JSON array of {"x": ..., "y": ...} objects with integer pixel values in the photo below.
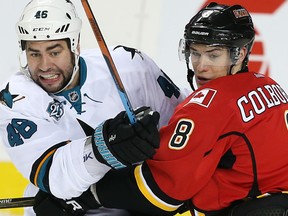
[{"x": 45, "y": 63}]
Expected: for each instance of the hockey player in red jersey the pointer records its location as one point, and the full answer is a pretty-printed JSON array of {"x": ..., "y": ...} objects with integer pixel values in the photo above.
[
  {"x": 224, "y": 151},
  {"x": 226, "y": 142}
]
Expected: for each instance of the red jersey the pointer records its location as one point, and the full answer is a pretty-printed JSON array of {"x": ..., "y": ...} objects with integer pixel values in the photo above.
[{"x": 226, "y": 141}]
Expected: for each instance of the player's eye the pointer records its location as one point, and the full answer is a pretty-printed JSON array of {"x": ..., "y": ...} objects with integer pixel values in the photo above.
[
  {"x": 54, "y": 54},
  {"x": 34, "y": 55}
]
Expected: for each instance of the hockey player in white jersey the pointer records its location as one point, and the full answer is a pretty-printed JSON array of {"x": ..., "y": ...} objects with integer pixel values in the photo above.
[{"x": 50, "y": 109}]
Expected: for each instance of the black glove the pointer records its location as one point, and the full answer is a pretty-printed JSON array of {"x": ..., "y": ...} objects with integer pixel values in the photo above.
[
  {"x": 47, "y": 205},
  {"x": 118, "y": 144}
]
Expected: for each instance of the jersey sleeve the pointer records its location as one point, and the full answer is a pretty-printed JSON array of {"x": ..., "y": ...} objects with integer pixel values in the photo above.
[
  {"x": 185, "y": 161},
  {"x": 185, "y": 155},
  {"x": 46, "y": 151}
]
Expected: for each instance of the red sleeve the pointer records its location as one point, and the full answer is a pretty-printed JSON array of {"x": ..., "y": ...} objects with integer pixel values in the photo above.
[{"x": 183, "y": 150}]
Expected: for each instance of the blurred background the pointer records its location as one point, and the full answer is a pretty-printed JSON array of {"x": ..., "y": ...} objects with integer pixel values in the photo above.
[{"x": 154, "y": 27}]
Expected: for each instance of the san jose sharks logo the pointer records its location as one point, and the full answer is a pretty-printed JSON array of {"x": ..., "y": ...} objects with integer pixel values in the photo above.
[
  {"x": 6, "y": 98},
  {"x": 133, "y": 51}
]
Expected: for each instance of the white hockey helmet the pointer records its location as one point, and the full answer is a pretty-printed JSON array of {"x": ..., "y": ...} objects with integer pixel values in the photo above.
[{"x": 49, "y": 20}]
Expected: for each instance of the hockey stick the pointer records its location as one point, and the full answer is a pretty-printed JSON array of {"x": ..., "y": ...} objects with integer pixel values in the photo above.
[
  {"x": 109, "y": 61},
  {"x": 16, "y": 202}
]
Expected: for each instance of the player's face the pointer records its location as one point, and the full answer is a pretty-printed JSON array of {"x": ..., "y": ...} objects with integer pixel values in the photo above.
[
  {"x": 50, "y": 63},
  {"x": 209, "y": 62}
]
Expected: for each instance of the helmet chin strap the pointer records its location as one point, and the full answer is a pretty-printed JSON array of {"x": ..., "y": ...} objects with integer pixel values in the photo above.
[
  {"x": 190, "y": 75},
  {"x": 229, "y": 72},
  {"x": 75, "y": 70}
]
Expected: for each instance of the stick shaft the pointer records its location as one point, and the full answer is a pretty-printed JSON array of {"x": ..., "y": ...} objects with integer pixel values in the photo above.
[
  {"x": 16, "y": 202},
  {"x": 109, "y": 61}
]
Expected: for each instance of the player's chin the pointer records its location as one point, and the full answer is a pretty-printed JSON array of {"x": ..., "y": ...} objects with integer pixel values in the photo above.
[{"x": 51, "y": 88}]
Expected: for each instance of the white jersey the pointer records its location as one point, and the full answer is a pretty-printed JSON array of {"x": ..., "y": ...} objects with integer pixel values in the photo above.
[{"x": 45, "y": 134}]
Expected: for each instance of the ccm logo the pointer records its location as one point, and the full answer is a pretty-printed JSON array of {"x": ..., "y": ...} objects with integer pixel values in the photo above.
[{"x": 41, "y": 29}]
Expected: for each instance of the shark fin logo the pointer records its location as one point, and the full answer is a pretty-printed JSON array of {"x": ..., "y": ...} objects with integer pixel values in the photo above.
[
  {"x": 6, "y": 98},
  {"x": 131, "y": 50}
]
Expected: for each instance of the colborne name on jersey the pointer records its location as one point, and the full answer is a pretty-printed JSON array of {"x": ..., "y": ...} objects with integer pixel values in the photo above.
[{"x": 259, "y": 100}]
